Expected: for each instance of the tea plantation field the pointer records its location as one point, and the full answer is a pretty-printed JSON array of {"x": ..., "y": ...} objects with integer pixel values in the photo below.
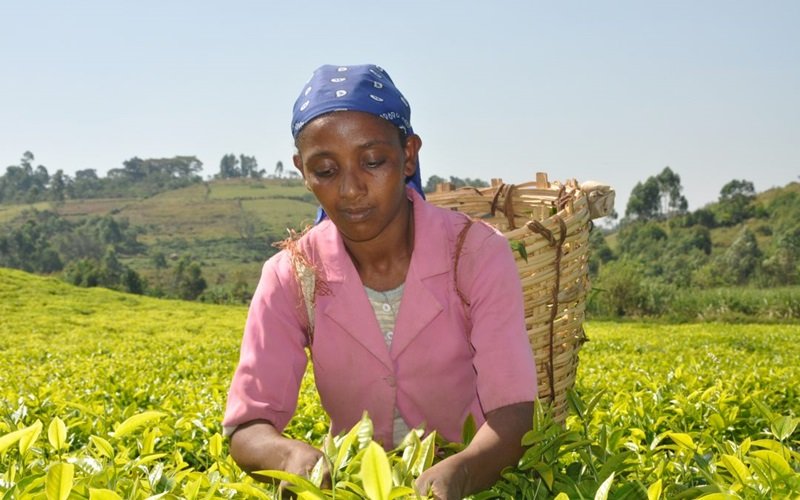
[{"x": 105, "y": 395}]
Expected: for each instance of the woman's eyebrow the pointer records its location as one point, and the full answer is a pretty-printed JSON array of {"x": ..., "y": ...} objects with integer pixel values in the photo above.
[
  {"x": 365, "y": 145},
  {"x": 374, "y": 142}
]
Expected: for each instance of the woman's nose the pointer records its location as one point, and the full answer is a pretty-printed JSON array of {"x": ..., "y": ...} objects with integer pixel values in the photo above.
[{"x": 352, "y": 184}]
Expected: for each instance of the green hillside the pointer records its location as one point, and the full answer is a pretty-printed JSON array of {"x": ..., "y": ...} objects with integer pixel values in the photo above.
[
  {"x": 227, "y": 226},
  {"x": 739, "y": 255},
  {"x": 208, "y": 240}
]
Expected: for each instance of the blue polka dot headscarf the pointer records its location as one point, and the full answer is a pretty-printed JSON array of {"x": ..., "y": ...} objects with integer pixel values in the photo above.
[{"x": 367, "y": 88}]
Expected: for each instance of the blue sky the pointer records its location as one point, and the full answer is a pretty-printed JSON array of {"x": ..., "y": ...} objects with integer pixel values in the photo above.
[{"x": 609, "y": 91}]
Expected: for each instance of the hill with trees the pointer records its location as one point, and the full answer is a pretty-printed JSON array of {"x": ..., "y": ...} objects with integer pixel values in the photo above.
[
  {"x": 153, "y": 226},
  {"x": 660, "y": 249},
  {"x": 204, "y": 241}
]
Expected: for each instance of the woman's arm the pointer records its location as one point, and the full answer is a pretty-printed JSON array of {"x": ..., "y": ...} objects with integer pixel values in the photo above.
[
  {"x": 257, "y": 445},
  {"x": 496, "y": 445}
]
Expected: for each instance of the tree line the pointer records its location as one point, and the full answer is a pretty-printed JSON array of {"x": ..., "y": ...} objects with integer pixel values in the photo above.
[
  {"x": 661, "y": 248},
  {"x": 656, "y": 249},
  {"x": 26, "y": 183}
]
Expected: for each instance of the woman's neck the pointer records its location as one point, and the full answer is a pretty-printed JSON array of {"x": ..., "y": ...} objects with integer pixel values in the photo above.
[{"x": 382, "y": 263}]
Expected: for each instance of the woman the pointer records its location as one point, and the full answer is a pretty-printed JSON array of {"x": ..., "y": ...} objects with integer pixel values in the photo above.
[{"x": 395, "y": 330}]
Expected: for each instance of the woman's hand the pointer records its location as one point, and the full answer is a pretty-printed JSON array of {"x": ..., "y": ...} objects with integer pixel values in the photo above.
[
  {"x": 257, "y": 445},
  {"x": 446, "y": 480},
  {"x": 495, "y": 446},
  {"x": 300, "y": 458}
]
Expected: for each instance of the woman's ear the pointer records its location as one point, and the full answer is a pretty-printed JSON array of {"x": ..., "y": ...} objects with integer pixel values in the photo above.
[
  {"x": 298, "y": 164},
  {"x": 411, "y": 150}
]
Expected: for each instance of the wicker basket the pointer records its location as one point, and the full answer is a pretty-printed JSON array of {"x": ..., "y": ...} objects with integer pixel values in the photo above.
[{"x": 552, "y": 221}]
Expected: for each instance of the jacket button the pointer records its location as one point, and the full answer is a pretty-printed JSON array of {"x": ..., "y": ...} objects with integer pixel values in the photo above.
[{"x": 391, "y": 381}]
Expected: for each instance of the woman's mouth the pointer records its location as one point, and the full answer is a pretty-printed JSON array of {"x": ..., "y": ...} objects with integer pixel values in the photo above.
[{"x": 356, "y": 214}]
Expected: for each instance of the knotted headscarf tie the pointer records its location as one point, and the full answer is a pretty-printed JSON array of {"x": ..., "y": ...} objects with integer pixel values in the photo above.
[{"x": 366, "y": 88}]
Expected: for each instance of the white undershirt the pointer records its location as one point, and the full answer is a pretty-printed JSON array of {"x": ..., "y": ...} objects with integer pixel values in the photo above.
[{"x": 386, "y": 306}]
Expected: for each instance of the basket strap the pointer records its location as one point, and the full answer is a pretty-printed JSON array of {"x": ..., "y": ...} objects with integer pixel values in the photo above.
[
  {"x": 307, "y": 279},
  {"x": 507, "y": 191},
  {"x": 539, "y": 228},
  {"x": 462, "y": 237}
]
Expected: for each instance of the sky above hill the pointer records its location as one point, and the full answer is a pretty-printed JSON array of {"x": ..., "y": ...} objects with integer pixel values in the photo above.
[{"x": 611, "y": 91}]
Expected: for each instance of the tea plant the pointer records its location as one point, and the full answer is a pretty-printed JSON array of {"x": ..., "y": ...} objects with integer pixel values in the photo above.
[{"x": 105, "y": 395}]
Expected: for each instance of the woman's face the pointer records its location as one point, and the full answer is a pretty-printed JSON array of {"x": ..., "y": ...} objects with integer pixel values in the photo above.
[{"x": 356, "y": 165}]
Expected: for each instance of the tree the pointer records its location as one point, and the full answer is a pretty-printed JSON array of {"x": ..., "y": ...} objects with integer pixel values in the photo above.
[
  {"x": 735, "y": 202},
  {"x": 24, "y": 182},
  {"x": 456, "y": 182},
  {"x": 645, "y": 200},
  {"x": 782, "y": 268},
  {"x": 189, "y": 281},
  {"x": 279, "y": 169},
  {"x": 599, "y": 251},
  {"x": 741, "y": 259},
  {"x": 672, "y": 201},
  {"x": 642, "y": 238},
  {"x": 658, "y": 197},
  {"x": 110, "y": 268},
  {"x": 433, "y": 181},
  {"x": 58, "y": 186},
  {"x": 249, "y": 167},
  {"x": 86, "y": 184},
  {"x": 229, "y": 167}
]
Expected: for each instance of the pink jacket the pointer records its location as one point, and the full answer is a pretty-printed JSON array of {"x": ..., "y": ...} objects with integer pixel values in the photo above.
[{"x": 430, "y": 374}]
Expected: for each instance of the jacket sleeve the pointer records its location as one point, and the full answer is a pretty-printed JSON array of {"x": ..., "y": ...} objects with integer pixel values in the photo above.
[
  {"x": 272, "y": 360},
  {"x": 503, "y": 359}
]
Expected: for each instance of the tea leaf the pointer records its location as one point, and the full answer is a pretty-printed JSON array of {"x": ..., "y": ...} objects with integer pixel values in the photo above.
[
  {"x": 102, "y": 494},
  {"x": 654, "y": 491},
  {"x": 30, "y": 437},
  {"x": 364, "y": 431},
  {"x": 299, "y": 484},
  {"x": 602, "y": 491},
  {"x": 247, "y": 489},
  {"x": 783, "y": 427},
  {"x": 133, "y": 423},
  {"x": 737, "y": 469},
  {"x": 376, "y": 474},
  {"x": 12, "y": 437},
  {"x": 519, "y": 247},
  {"x": 57, "y": 434},
  {"x": 402, "y": 492},
  {"x": 777, "y": 463},
  {"x": 215, "y": 445},
  {"x": 344, "y": 449},
  {"x": 425, "y": 457},
  {"x": 103, "y": 446},
  {"x": 59, "y": 481},
  {"x": 468, "y": 430},
  {"x": 682, "y": 439},
  {"x": 716, "y": 421}
]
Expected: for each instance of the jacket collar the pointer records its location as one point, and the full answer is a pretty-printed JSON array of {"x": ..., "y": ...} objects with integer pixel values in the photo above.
[
  {"x": 431, "y": 257},
  {"x": 426, "y": 260}
]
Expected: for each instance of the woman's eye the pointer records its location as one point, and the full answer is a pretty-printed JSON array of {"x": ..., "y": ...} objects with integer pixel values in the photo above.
[{"x": 374, "y": 163}]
